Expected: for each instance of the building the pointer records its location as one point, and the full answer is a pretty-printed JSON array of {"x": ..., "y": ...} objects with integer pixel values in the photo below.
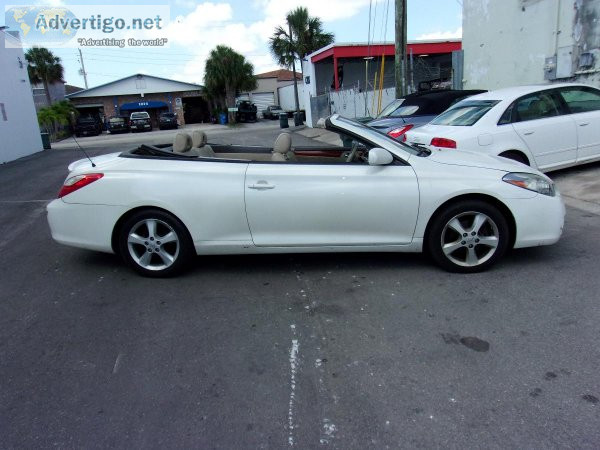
[
  {"x": 520, "y": 42},
  {"x": 348, "y": 75},
  {"x": 143, "y": 93},
  {"x": 58, "y": 91},
  {"x": 268, "y": 88},
  {"x": 19, "y": 130}
]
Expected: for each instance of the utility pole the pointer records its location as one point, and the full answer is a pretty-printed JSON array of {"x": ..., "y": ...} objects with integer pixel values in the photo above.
[
  {"x": 293, "y": 56},
  {"x": 400, "y": 54},
  {"x": 82, "y": 71}
]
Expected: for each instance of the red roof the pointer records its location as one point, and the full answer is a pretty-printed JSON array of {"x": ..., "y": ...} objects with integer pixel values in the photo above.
[
  {"x": 281, "y": 75},
  {"x": 363, "y": 50}
]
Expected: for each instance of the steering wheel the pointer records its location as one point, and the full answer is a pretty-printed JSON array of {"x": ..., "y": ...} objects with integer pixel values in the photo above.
[{"x": 353, "y": 152}]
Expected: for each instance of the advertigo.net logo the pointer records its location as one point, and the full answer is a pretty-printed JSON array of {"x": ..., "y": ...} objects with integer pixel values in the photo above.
[{"x": 89, "y": 25}]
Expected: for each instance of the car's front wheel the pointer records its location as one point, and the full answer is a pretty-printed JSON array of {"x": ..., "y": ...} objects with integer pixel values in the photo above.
[
  {"x": 468, "y": 236},
  {"x": 155, "y": 243}
]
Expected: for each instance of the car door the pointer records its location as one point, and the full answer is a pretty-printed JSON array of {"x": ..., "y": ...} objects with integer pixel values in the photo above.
[
  {"x": 584, "y": 105},
  {"x": 296, "y": 204},
  {"x": 549, "y": 134}
]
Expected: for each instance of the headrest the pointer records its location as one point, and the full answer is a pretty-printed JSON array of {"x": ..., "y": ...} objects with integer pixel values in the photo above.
[
  {"x": 198, "y": 138},
  {"x": 283, "y": 143},
  {"x": 182, "y": 143}
]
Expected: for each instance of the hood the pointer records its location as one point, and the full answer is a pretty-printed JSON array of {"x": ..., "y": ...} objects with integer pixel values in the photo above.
[
  {"x": 481, "y": 160},
  {"x": 100, "y": 161}
]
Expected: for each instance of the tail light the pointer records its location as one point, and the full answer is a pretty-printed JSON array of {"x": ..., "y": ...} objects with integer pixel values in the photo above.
[
  {"x": 443, "y": 142},
  {"x": 397, "y": 132},
  {"x": 77, "y": 182}
]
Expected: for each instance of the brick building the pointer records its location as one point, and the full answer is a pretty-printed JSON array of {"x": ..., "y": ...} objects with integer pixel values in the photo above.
[{"x": 143, "y": 93}]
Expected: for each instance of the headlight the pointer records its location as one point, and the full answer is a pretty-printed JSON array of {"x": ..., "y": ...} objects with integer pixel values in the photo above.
[{"x": 531, "y": 182}]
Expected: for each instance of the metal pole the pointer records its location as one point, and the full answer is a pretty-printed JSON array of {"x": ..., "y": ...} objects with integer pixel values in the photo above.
[
  {"x": 83, "y": 69},
  {"x": 294, "y": 69},
  {"x": 400, "y": 53}
]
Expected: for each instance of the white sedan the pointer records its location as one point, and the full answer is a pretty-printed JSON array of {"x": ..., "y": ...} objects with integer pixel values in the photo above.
[
  {"x": 547, "y": 127},
  {"x": 157, "y": 207}
]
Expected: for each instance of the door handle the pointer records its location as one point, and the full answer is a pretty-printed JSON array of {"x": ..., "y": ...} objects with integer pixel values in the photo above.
[
  {"x": 261, "y": 185},
  {"x": 583, "y": 124},
  {"x": 528, "y": 133}
]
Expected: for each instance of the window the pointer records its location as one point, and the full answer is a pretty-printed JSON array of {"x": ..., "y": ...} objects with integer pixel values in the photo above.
[
  {"x": 465, "y": 113},
  {"x": 507, "y": 115},
  {"x": 581, "y": 99},
  {"x": 535, "y": 106}
]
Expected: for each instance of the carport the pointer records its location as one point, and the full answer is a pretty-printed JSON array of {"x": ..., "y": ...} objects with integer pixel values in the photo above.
[{"x": 152, "y": 107}]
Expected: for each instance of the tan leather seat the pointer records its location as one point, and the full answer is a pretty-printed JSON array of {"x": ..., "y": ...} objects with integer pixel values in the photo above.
[
  {"x": 182, "y": 144},
  {"x": 199, "y": 140},
  {"x": 282, "y": 149}
]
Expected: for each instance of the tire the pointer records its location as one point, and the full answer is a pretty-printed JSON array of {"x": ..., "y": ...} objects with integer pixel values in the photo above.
[
  {"x": 516, "y": 156},
  {"x": 140, "y": 236},
  {"x": 466, "y": 252}
]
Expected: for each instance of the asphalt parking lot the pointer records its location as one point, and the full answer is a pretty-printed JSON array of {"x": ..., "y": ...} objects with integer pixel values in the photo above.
[{"x": 347, "y": 351}]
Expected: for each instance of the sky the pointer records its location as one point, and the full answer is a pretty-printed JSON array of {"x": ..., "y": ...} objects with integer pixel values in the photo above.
[{"x": 246, "y": 25}]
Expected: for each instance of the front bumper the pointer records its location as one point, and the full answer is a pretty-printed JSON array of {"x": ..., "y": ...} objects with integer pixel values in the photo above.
[
  {"x": 540, "y": 220},
  {"x": 83, "y": 226}
]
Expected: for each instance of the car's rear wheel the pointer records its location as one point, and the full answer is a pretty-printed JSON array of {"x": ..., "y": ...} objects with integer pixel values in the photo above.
[
  {"x": 155, "y": 243},
  {"x": 468, "y": 236}
]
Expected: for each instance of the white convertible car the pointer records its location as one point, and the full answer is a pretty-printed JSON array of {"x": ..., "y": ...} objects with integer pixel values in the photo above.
[{"x": 158, "y": 206}]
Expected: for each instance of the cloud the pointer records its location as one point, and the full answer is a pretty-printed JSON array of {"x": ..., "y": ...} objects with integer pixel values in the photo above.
[
  {"x": 210, "y": 24},
  {"x": 456, "y": 34}
]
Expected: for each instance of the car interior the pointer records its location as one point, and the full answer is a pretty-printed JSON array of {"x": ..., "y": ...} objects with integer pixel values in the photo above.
[{"x": 344, "y": 149}]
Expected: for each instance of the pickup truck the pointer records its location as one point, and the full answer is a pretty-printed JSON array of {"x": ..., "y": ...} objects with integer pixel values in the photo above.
[
  {"x": 140, "y": 121},
  {"x": 87, "y": 126}
]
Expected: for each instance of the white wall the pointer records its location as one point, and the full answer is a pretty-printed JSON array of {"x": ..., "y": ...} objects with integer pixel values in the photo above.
[
  {"x": 506, "y": 42},
  {"x": 287, "y": 99},
  {"x": 19, "y": 130},
  {"x": 351, "y": 103}
]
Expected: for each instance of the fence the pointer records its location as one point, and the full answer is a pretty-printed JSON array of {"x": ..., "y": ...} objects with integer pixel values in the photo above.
[{"x": 353, "y": 103}]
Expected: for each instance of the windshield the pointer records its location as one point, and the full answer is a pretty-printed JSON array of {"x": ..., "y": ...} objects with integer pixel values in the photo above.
[
  {"x": 140, "y": 115},
  {"x": 465, "y": 113},
  {"x": 169, "y": 115},
  {"x": 389, "y": 109},
  {"x": 369, "y": 132}
]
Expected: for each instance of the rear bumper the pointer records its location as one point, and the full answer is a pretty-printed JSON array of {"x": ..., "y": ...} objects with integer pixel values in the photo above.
[
  {"x": 540, "y": 220},
  {"x": 83, "y": 226}
]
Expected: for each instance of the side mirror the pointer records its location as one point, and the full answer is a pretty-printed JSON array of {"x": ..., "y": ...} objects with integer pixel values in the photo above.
[{"x": 379, "y": 157}]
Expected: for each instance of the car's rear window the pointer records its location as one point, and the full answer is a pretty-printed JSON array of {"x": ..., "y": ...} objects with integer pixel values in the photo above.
[
  {"x": 465, "y": 113},
  {"x": 141, "y": 115},
  {"x": 169, "y": 115},
  {"x": 116, "y": 120}
]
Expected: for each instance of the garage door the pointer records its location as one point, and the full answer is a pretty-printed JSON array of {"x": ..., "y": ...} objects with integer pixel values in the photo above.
[{"x": 262, "y": 100}]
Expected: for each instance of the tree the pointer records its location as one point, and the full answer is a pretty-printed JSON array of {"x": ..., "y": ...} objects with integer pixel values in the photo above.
[
  {"x": 59, "y": 113},
  {"x": 43, "y": 67},
  {"x": 227, "y": 72},
  {"x": 304, "y": 35}
]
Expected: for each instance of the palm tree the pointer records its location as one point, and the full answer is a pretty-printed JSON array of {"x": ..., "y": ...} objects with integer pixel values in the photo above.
[
  {"x": 227, "y": 72},
  {"x": 43, "y": 67},
  {"x": 304, "y": 35},
  {"x": 307, "y": 35},
  {"x": 60, "y": 113}
]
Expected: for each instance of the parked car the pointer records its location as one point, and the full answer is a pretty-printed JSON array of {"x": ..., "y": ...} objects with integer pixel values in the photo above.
[
  {"x": 118, "y": 124},
  {"x": 246, "y": 111},
  {"x": 272, "y": 112},
  {"x": 87, "y": 126},
  {"x": 140, "y": 121},
  {"x": 366, "y": 192},
  {"x": 547, "y": 127},
  {"x": 415, "y": 110},
  {"x": 167, "y": 120}
]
